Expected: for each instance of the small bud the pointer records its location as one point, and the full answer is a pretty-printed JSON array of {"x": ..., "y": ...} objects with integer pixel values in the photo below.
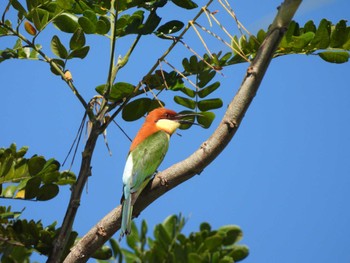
[
  {"x": 68, "y": 75},
  {"x": 29, "y": 28}
]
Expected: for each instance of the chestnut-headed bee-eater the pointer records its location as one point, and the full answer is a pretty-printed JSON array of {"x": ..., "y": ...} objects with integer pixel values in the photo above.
[{"x": 146, "y": 153}]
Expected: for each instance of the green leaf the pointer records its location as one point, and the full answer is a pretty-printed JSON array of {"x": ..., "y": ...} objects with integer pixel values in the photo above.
[
  {"x": 120, "y": 90},
  {"x": 36, "y": 19},
  {"x": 144, "y": 229},
  {"x": 103, "y": 29},
  {"x": 205, "y": 227},
  {"x": 239, "y": 252},
  {"x": 189, "y": 92},
  {"x": 187, "y": 4},
  {"x": 133, "y": 239},
  {"x": 47, "y": 192},
  {"x": 101, "y": 89},
  {"x": 232, "y": 234},
  {"x": 58, "y": 48},
  {"x": 66, "y": 22},
  {"x": 339, "y": 34},
  {"x": 194, "y": 258},
  {"x": 66, "y": 177},
  {"x": 91, "y": 15},
  {"x": 17, "y": 5},
  {"x": 151, "y": 24},
  {"x": 77, "y": 40},
  {"x": 36, "y": 164},
  {"x": 21, "y": 152},
  {"x": 103, "y": 253},
  {"x": 209, "y": 104},
  {"x": 115, "y": 248},
  {"x": 302, "y": 40},
  {"x": 136, "y": 109},
  {"x": 32, "y": 187},
  {"x": 194, "y": 64},
  {"x": 50, "y": 177},
  {"x": 162, "y": 236},
  {"x": 309, "y": 27},
  {"x": 169, "y": 28},
  {"x": 213, "y": 242},
  {"x": 186, "y": 65},
  {"x": 87, "y": 25},
  {"x": 208, "y": 90},
  {"x": 261, "y": 35},
  {"x": 169, "y": 225},
  {"x": 65, "y": 4},
  {"x": 5, "y": 165},
  {"x": 205, "y": 77},
  {"x": 322, "y": 36},
  {"x": 79, "y": 53},
  {"x": 206, "y": 119},
  {"x": 131, "y": 257},
  {"x": 335, "y": 56},
  {"x": 60, "y": 63},
  {"x": 134, "y": 22},
  {"x": 188, "y": 103},
  {"x": 346, "y": 45}
]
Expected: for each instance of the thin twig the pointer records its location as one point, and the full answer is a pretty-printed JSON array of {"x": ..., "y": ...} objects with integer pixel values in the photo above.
[
  {"x": 200, "y": 38},
  {"x": 122, "y": 130},
  {"x": 77, "y": 137}
]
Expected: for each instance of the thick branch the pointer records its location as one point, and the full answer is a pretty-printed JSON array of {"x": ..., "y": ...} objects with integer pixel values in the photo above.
[{"x": 208, "y": 151}]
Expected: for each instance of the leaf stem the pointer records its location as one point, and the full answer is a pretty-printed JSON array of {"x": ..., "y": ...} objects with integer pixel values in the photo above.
[{"x": 53, "y": 65}]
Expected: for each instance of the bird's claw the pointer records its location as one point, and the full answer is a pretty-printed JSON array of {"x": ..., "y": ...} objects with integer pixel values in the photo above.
[{"x": 163, "y": 181}]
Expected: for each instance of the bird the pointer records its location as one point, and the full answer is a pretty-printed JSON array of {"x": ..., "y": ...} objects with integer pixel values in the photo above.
[{"x": 146, "y": 153}]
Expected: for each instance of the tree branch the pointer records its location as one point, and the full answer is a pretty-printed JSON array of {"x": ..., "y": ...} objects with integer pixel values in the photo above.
[
  {"x": 209, "y": 150},
  {"x": 74, "y": 202}
]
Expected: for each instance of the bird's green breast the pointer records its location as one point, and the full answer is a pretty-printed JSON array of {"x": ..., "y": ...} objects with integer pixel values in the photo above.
[{"x": 147, "y": 157}]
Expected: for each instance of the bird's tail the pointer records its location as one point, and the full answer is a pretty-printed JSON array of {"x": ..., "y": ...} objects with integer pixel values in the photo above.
[{"x": 126, "y": 217}]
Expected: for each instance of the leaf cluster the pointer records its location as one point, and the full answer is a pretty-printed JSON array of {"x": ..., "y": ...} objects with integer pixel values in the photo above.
[
  {"x": 20, "y": 237},
  {"x": 333, "y": 39},
  {"x": 170, "y": 245},
  {"x": 32, "y": 178}
]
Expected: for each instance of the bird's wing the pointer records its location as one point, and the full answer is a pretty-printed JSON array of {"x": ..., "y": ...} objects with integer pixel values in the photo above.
[{"x": 145, "y": 159}]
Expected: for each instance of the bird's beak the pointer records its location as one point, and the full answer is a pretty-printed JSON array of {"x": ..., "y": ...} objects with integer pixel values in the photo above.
[{"x": 187, "y": 118}]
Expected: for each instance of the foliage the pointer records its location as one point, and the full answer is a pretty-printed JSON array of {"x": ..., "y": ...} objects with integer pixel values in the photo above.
[
  {"x": 308, "y": 40},
  {"x": 170, "y": 245},
  {"x": 32, "y": 179},
  {"x": 20, "y": 237}
]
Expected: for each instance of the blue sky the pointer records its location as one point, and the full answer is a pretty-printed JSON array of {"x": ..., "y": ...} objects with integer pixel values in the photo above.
[{"x": 284, "y": 179}]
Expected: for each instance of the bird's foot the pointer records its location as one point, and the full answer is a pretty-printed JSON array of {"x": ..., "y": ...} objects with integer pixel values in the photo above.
[{"x": 163, "y": 181}]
